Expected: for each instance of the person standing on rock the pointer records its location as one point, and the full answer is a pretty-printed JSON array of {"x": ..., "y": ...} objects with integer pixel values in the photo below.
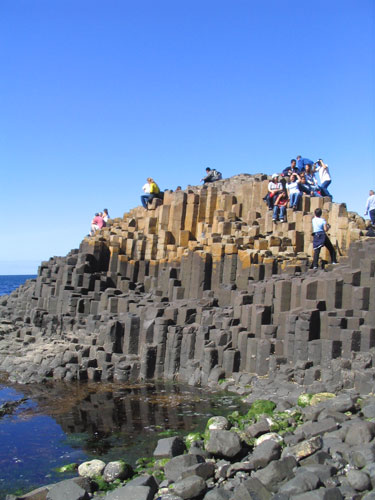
[
  {"x": 302, "y": 162},
  {"x": 320, "y": 238},
  {"x": 370, "y": 206},
  {"x": 325, "y": 177}
]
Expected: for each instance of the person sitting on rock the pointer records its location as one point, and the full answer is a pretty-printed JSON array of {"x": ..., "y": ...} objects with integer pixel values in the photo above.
[
  {"x": 370, "y": 206},
  {"x": 105, "y": 215},
  {"x": 280, "y": 205},
  {"x": 154, "y": 192},
  {"x": 292, "y": 169},
  {"x": 212, "y": 176},
  {"x": 303, "y": 186},
  {"x": 274, "y": 188},
  {"x": 320, "y": 238},
  {"x": 97, "y": 223},
  {"x": 294, "y": 192},
  {"x": 146, "y": 189},
  {"x": 311, "y": 181}
]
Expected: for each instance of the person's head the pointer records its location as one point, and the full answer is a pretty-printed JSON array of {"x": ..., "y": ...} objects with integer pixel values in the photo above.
[
  {"x": 105, "y": 211},
  {"x": 100, "y": 214},
  {"x": 208, "y": 169},
  {"x": 293, "y": 163},
  {"x": 275, "y": 177},
  {"x": 308, "y": 168},
  {"x": 318, "y": 212},
  {"x": 302, "y": 176},
  {"x": 149, "y": 180},
  {"x": 371, "y": 192},
  {"x": 97, "y": 215},
  {"x": 293, "y": 177},
  {"x": 319, "y": 162},
  {"x": 298, "y": 157},
  {"x": 178, "y": 188}
]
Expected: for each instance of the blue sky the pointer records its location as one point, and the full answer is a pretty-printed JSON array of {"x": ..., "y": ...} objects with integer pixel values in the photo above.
[{"x": 98, "y": 95}]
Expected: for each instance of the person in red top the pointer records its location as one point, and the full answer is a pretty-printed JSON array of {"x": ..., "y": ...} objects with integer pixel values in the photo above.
[
  {"x": 280, "y": 206},
  {"x": 97, "y": 223}
]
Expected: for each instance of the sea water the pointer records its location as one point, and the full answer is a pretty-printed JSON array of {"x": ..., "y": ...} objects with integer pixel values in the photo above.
[{"x": 11, "y": 282}]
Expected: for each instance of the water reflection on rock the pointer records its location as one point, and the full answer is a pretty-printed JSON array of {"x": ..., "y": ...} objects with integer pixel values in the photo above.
[{"x": 117, "y": 421}]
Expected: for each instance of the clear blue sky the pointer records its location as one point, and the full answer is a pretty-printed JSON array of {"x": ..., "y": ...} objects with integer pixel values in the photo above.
[{"x": 98, "y": 95}]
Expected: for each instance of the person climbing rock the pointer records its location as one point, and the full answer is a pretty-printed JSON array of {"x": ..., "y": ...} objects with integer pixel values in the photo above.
[{"x": 320, "y": 238}]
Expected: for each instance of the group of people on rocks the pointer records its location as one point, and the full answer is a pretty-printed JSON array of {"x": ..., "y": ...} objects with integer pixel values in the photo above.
[
  {"x": 295, "y": 180},
  {"x": 285, "y": 188},
  {"x": 99, "y": 221},
  {"x": 152, "y": 190},
  {"x": 289, "y": 187}
]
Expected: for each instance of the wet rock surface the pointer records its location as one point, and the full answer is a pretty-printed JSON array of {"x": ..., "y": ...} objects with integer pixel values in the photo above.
[{"x": 325, "y": 466}]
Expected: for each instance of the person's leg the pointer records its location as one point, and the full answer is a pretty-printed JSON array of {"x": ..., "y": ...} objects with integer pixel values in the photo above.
[
  {"x": 316, "y": 257},
  {"x": 282, "y": 212},
  {"x": 144, "y": 199},
  {"x": 332, "y": 251},
  {"x": 372, "y": 216},
  {"x": 315, "y": 192},
  {"x": 304, "y": 188},
  {"x": 323, "y": 188},
  {"x": 291, "y": 200},
  {"x": 298, "y": 197},
  {"x": 269, "y": 200},
  {"x": 275, "y": 212}
]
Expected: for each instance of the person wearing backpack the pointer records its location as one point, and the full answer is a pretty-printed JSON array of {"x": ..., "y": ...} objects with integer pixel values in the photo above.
[{"x": 212, "y": 176}]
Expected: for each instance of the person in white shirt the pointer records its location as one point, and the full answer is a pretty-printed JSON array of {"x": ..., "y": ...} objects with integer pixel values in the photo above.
[
  {"x": 325, "y": 177},
  {"x": 370, "y": 206},
  {"x": 294, "y": 191},
  {"x": 147, "y": 189},
  {"x": 320, "y": 238},
  {"x": 274, "y": 188}
]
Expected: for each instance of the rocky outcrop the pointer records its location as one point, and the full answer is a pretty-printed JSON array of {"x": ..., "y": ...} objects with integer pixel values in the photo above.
[{"x": 199, "y": 288}]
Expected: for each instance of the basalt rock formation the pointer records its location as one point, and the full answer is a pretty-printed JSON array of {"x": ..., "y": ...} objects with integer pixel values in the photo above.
[{"x": 198, "y": 288}]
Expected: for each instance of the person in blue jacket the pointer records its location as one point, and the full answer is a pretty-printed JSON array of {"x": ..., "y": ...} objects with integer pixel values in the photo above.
[{"x": 302, "y": 162}]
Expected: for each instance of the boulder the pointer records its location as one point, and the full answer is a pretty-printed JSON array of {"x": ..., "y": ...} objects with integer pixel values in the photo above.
[
  {"x": 225, "y": 444},
  {"x": 91, "y": 468},
  {"x": 169, "y": 447}
]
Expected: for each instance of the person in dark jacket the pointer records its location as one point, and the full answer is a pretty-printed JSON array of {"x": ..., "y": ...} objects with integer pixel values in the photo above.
[{"x": 320, "y": 238}]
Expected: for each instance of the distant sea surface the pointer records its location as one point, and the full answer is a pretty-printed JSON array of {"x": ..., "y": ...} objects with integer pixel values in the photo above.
[{"x": 11, "y": 282}]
